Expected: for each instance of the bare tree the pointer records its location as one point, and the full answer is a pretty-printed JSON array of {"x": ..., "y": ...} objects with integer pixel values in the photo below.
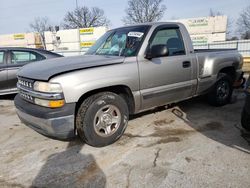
[
  {"x": 140, "y": 11},
  {"x": 243, "y": 23},
  {"x": 246, "y": 35},
  {"x": 40, "y": 25},
  {"x": 213, "y": 13},
  {"x": 83, "y": 17}
]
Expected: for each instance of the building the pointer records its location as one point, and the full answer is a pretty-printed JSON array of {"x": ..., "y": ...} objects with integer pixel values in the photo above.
[
  {"x": 28, "y": 40},
  {"x": 203, "y": 31},
  {"x": 73, "y": 41},
  {"x": 66, "y": 42},
  {"x": 206, "y": 30}
]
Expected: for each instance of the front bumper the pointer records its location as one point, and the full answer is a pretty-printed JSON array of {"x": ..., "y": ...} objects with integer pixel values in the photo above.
[{"x": 54, "y": 123}]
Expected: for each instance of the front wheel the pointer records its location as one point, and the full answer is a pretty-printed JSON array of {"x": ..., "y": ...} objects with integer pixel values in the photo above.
[
  {"x": 102, "y": 119},
  {"x": 221, "y": 92}
]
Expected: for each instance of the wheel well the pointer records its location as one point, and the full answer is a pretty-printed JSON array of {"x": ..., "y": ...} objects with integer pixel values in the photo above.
[
  {"x": 121, "y": 90},
  {"x": 230, "y": 71}
]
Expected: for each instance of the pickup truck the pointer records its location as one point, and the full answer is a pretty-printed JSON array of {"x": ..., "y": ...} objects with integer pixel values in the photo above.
[{"x": 129, "y": 70}]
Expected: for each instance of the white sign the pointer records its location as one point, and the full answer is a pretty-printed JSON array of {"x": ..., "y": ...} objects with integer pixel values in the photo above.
[{"x": 135, "y": 34}]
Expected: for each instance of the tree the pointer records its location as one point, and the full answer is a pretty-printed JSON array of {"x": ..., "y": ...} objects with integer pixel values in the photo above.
[
  {"x": 233, "y": 38},
  {"x": 246, "y": 35},
  {"x": 214, "y": 13},
  {"x": 40, "y": 25},
  {"x": 83, "y": 17},
  {"x": 243, "y": 23},
  {"x": 141, "y": 11}
]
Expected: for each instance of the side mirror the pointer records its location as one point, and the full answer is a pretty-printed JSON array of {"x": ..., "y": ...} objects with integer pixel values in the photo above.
[{"x": 159, "y": 50}]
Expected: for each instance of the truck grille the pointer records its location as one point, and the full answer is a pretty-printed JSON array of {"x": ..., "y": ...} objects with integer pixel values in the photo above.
[
  {"x": 28, "y": 84},
  {"x": 26, "y": 96},
  {"x": 24, "y": 86}
]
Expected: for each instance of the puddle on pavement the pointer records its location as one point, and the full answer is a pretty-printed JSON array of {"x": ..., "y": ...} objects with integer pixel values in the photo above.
[{"x": 212, "y": 126}]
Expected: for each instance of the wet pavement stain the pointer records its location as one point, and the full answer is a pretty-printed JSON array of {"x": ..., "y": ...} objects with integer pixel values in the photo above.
[
  {"x": 166, "y": 131},
  {"x": 169, "y": 134},
  {"x": 162, "y": 141},
  {"x": 188, "y": 159},
  {"x": 163, "y": 122},
  {"x": 212, "y": 126},
  {"x": 90, "y": 171}
]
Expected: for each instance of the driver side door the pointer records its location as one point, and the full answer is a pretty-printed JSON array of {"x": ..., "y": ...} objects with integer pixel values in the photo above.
[{"x": 166, "y": 79}]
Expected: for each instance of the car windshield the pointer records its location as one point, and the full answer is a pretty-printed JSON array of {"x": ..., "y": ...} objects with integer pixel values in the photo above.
[{"x": 120, "y": 42}]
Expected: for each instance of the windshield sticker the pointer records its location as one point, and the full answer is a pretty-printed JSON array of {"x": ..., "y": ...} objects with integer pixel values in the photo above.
[{"x": 135, "y": 34}]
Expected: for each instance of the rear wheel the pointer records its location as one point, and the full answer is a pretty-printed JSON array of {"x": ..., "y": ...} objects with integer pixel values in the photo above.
[
  {"x": 245, "y": 120},
  {"x": 102, "y": 119},
  {"x": 222, "y": 91}
]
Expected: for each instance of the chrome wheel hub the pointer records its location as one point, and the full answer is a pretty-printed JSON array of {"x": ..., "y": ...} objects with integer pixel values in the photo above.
[
  {"x": 223, "y": 90},
  {"x": 107, "y": 120}
]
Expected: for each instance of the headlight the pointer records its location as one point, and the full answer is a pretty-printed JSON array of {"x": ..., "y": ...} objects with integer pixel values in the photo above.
[
  {"x": 47, "y": 87},
  {"x": 49, "y": 103}
]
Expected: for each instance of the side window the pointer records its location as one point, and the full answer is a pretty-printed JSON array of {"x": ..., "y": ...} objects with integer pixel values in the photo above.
[
  {"x": 172, "y": 39},
  {"x": 1, "y": 57},
  {"x": 24, "y": 56}
]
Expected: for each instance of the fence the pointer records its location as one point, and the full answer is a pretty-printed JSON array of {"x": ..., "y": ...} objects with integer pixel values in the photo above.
[{"x": 243, "y": 46}]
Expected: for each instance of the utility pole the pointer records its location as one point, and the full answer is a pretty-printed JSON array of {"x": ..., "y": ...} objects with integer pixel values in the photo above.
[{"x": 76, "y": 4}]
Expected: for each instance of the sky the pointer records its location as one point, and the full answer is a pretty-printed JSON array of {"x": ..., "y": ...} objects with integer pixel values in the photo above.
[{"x": 16, "y": 15}]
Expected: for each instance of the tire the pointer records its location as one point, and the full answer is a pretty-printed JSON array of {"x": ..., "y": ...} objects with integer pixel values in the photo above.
[
  {"x": 245, "y": 120},
  {"x": 102, "y": 119},
  {"x": 222, "y": 90}
]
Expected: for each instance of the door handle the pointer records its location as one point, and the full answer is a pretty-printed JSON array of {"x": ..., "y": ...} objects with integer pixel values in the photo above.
[{"x": 186, "y": 64}]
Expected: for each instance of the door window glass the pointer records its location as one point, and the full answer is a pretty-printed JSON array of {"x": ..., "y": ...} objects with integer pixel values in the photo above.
[
  {"x": 24, "y": 56},
  {"x": 1, "y": 57},
  {"x": 172, "y": 39}
]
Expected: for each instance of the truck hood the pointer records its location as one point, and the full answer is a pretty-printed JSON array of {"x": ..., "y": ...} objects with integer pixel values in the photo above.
[{"x": 44, "y": 70}]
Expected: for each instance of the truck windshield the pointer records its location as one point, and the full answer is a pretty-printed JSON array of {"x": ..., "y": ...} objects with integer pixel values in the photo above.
[{"x": 120, "y": 42}]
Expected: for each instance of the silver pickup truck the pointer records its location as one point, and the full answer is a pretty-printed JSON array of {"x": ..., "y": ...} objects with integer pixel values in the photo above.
[{"x": 129, "y": 70}]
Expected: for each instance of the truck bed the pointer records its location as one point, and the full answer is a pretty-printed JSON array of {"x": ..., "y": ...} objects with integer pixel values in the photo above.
[{"x": 213, "y": 50}]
